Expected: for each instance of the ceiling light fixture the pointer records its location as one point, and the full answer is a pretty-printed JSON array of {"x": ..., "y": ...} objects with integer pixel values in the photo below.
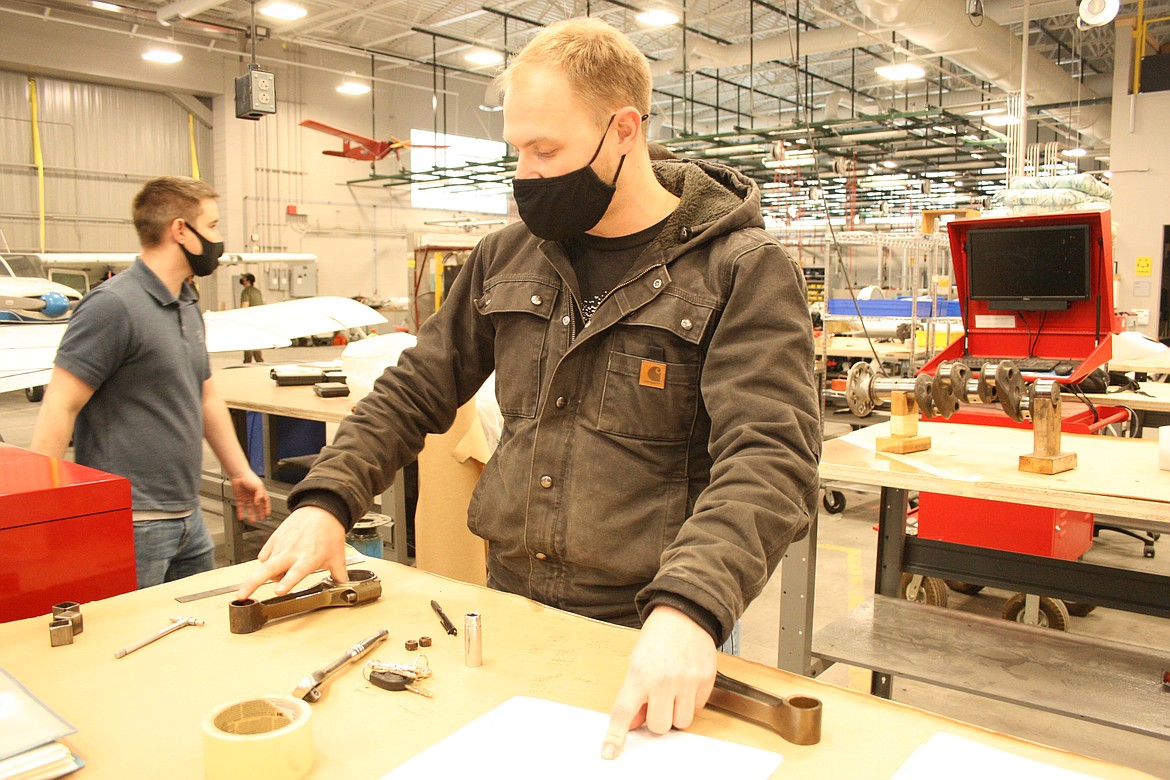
[
  {"x": 165, "y": 56},
  {"x": 1095, "y": 13},
  {"x": 900, "y": 71},
  {"x": 484, "y": 57},
  {"x": 987, "y": 111},
  {"x": 98, "y": 4},
  {"x": 657, "y": 17},
  {"x": 1002, "y": 120},
  {"x": 889, "y": 164},
  {"x": 286, "y": 12},
  {"x": 352, "y": 85},
  {"x": 1078, "y": 151}
]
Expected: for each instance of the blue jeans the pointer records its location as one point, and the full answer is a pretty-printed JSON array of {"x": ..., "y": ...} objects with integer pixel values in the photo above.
[
  {"x": 166, "y": 550},
  {"x": 731, "y": 646}
]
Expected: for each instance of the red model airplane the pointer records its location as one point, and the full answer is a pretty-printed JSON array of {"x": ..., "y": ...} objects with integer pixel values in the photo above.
[{"x": 369, "y": 149}]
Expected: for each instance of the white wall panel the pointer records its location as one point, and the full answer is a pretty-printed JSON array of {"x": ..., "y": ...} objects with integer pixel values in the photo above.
[{"x": 99, "y": 144}]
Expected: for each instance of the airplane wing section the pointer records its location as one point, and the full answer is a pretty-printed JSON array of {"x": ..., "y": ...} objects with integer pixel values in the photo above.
[
  {"x": 28, "y": 352},
  {"x": 273, "y": 325},
  {"x": 369, "y": 143}
]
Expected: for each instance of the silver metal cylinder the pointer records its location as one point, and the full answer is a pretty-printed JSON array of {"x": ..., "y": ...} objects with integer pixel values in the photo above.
[{"x": 472, "y": 640}]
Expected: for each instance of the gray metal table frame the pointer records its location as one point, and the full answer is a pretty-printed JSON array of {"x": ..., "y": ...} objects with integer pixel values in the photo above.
[{"x": 897, "y": 553}]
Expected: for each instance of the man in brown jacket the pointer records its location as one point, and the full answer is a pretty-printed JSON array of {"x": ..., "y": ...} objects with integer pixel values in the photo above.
[{"x": 654, "y": 362}]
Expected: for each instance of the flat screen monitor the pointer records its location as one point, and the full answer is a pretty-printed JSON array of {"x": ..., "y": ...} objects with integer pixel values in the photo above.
[{"x": 1029, "y": 268}]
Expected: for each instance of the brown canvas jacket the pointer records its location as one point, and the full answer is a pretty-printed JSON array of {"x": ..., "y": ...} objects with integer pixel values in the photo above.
[{"x": 664, "y": 453}]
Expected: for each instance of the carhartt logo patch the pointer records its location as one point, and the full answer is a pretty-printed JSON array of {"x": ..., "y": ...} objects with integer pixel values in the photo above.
[{"x": 653, "y": 374}]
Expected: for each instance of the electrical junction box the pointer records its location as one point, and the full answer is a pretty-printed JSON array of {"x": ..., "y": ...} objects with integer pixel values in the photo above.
[
  {"x": 255, "y": 94},
  {"x": 304, "y": 280}
]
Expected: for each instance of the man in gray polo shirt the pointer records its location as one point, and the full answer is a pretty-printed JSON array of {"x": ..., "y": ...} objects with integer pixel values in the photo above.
[{"x": 132, "y": 384}]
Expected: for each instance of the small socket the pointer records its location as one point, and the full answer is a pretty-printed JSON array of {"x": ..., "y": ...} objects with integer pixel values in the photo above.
[
  {"x": 412, "y": 645},
  {"x": 424, "y": 641},
  {"x": 72, "y": 611},
  {"x": 60, "y": 632},
  {"x": 472, "y": 640}
]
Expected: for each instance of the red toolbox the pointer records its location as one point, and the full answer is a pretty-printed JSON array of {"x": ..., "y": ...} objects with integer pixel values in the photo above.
[
  {"x": 66, "y": 533},
  {"x": 1031, "y": 530}
]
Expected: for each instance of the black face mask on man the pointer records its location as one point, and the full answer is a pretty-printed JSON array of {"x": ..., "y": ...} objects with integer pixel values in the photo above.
[
  {"x": 204, "y": 263},
  {"x": 558, "y": 208}
]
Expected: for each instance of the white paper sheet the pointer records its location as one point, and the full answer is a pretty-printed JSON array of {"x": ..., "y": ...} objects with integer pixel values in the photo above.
[
  {"x": 533, "y": 738},
  {"x": 958, "y": 758}
]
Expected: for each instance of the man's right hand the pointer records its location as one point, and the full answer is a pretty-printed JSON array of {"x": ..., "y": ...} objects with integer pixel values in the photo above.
[{"x": 309, "y": 539}]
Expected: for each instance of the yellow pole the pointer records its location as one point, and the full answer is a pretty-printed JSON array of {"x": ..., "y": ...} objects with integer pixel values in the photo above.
[
  {"x": 1139, "y": 45},
  {"x": 38, "y": 158},
  {"x": 194, "y": 154},
  {"x": 438, "y": 280}
]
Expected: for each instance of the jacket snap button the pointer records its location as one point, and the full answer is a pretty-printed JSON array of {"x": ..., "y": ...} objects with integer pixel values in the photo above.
[
  {"x": 687, "y": 324},
  {"x": 540, "y": 556},
  {"x": 657, "y": 283},
  {"x": 562, "y": 402},
  {"x": 536, "y": 300},
  {"x": 546, "y": 481},
  {"x": 565, "y": 320},
  {"x": 685, "y": 232}
]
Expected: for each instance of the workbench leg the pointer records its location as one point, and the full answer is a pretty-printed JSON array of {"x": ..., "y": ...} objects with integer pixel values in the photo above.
[
  {"x": 233, "y": 530},
  {"x": 797, "y": 585},
  {"x": 268, "y": 431},
  {"x": 890, "y": 546},
  {"x": 394, "y": 504}
]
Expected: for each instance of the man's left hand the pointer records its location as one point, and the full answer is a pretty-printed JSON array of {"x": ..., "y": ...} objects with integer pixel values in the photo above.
[
  {"x": 252, "y": 504},
  {"x": 670, "y": 676}
]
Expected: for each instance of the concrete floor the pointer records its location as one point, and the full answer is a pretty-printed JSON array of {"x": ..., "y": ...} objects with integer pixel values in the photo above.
[{"x": 845, "y": 575}]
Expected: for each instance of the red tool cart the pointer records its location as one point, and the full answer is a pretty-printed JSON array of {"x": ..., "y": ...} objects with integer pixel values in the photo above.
[
  {"x": 1036, "y": 290},
  {"x": 66, "y": 533}
]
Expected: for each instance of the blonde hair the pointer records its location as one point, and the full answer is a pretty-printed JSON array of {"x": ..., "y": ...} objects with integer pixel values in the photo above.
[
  {"x": 163, "y": 200},
  {"x": 603, "y": 67}
]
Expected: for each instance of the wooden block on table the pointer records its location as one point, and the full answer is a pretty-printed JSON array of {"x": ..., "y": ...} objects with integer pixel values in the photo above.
[
  {"x": 1048, "y": 464},
  {"x": 902, "y": 445}
]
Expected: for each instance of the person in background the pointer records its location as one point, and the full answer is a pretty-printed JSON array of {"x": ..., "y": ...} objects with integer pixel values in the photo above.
[
  {"x": 251, "y": 296},
  {"x": 132, "y": 385},
  {"x": 654, "y": 368}
]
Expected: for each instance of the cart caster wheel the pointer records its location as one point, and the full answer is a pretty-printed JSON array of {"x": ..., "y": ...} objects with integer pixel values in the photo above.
[
  {"x": 963, "y": 587},
  {"x": 932, "y": 591},
  {"x": 1078, "y": 609},
  {"x": 34, "y": 394},
  {"x": 1148, "y": 551},
  {"x": 833, "y": 502},
  {"x": 1053, "y": 612}
]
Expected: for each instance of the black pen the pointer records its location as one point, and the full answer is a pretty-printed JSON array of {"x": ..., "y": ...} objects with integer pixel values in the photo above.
[{"x": 448, "y": 626}]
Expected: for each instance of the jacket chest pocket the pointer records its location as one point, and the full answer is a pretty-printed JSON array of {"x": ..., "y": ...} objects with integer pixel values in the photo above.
[
  {"x": 651, "y": 388},
  {"x": 520, "y": 311}
]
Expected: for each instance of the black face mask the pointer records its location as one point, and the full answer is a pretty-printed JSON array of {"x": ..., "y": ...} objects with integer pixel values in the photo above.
[
  {"x": 561, "y": 207},
  {"x": 204, "y": 263}
]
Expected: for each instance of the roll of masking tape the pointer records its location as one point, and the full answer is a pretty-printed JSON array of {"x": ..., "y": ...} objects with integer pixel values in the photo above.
[{"x": 269, "y": 738}]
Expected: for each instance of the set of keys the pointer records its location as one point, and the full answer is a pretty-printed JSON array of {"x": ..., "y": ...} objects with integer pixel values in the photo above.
[{"x": 400, "y": 677}]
